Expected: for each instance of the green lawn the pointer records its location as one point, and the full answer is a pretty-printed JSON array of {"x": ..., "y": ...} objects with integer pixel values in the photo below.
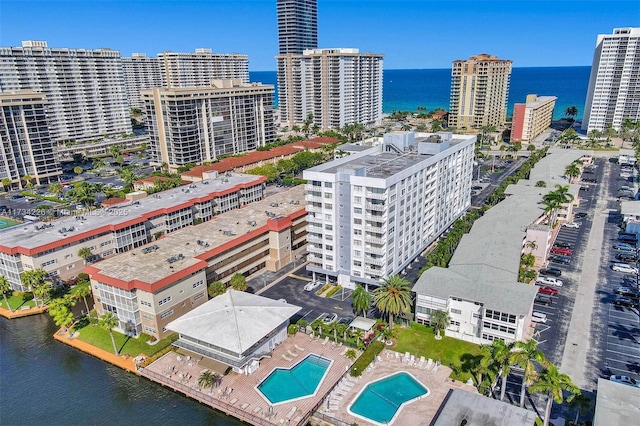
[
  {"x": 96, "y": 336},
  {"x": 420, "y": 340},
  {"x": 16, "y": 302}
]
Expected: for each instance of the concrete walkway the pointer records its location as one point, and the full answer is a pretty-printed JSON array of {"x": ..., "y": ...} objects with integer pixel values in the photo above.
[
  {"x": 574, "y": 357},
  {"x": 22, "y": 312}
]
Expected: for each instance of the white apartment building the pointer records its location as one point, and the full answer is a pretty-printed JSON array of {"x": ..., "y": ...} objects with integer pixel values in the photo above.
[
  {"x": 373, "y": 212},
  {"x": 54, "y": 246},
  {"x": 84, "y": 89},
  {"x": 25, "y": 145},
  {"x": 479, "y": 92},
  {"x": 614, "y": 85},
  {"x": 175, "y": 70},
  {"x": 532, "y": 118},
  {"x": 140, "y": 73},
  {"x": 336, "y": 86},
  {"x": 194, "y": 125}
]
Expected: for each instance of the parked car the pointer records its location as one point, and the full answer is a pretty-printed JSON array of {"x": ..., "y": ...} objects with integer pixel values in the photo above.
[
  {"x": 311, "y": 285},
  {"x": 623, "y": 301},
  {"x": 625, "y": 188},
  {"x": 627, "y": 292},
  {"x": 584, "y": 188},
  {"x": 476, "y": 188},
  {"x": 17, "y": 196},
  {"x": 580, "y": 215},
  {"x": 556, "y": 272},
  {"x": 328, "y": 318},
  {"x": 549, "y": 291},
  {"x": 624, "y": 267},
  {"x": 626, "y": 257},
  {"x": 590, "y": 180},
  {"x": 539, "y": 317},
  {"x": 556, "y": 258},
  {"x": 625, "y": 380},
  {"x": 561, "y": 250},
  {"x": 574, "y": 225},
  {"x": 627, "y": 237},
  {"x": 624, "y": 247},
  {"x": 543, "y": 300},
  {"x": 549, "y": 281},
  {"x": 562, "y": 244},
  {"x": 345, "y": 320}
]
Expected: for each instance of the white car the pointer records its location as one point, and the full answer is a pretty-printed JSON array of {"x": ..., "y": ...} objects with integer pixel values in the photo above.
[
  {"x": 625, "y": 380},
  {"x": 543, "y": 279},
  {"x": 311, "y": 286},
  {"x": 624, "y": 267},
  {"x": 575, "y": 225}
]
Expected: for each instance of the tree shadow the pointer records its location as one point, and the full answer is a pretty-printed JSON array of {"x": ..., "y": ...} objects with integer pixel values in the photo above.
[
  {"x": 469, "y": 362},
  {"x": 124, "y": 344}
]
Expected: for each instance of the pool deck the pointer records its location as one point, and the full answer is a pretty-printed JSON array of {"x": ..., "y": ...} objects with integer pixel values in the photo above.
[
  {"x": 244, "y": 401},
  {"x": 417, "y": 412}
]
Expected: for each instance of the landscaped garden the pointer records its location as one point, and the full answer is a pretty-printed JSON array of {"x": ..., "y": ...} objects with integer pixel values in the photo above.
[
  {"x": 17, "y": 302},
  {"x": 94, "y": 335},
  {"x": 420, "y": 340}
]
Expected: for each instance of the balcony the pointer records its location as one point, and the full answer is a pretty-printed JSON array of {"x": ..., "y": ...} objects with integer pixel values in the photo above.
[
  {"x": 374, "y": 240},
  {"x": 374, "y": 261},
  {"x": 375, "y": 207},
  {"x": 376, "y": 196}
]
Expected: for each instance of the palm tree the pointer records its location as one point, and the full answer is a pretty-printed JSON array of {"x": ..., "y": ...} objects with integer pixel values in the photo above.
[
  {"x": 217, "y": 288},
  {"x": 5, "y": 287},
  {"x": 581, "y": 403},
  {"x": 393, "y": 297},
  {"x": 6, "y": 182},
  {"x": 84, "y": 291},
  {"x": 206, "y": 380},
  {"x": 357, "y": 334},
  {"x": 63, "y": 317},
  {"x": 440, "y": 320},
  {"x": 572, "y": 171},
  {"x": 484, "y": 366},
  {"x": 541, "y": 184},
  {"x": 78, "y": 170},
  {"x": 531, "y": 245},
  {"x": 33, "y": 279},
  {"x": 551, "y": 382},
  {"x": 525, "y": 355},
  {"x": 594, "y": 137},
  {"x": 501, "y": 355},
  {"x": 238, "y": 282},
  {"x": 28, "y": 181},
  {"x": 55, "y": 189},
  {"x": 609, "y": 133},
  {"x": 571, "y": 112},
  {"x": 85, "y": 253},
  {"x": 109, "y": 321},
  {"x": 361, "y": 300}
]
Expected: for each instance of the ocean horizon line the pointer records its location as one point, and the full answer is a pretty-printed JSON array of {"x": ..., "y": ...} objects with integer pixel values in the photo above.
[{"x": 422, "y": 69}]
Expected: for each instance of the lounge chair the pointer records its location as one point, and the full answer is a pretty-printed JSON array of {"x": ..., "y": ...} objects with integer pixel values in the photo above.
[
  {"x": 292, "y": 412},
  {"x": 298, "y": 348},
  {"x": 412, "y": 360},
  {"x": 421, "y": 362},
  {"x": 297, "y": 420},
  {"x": 286, "y": 358},
  {"x": 257, "y": 409},
  {"x": 397, "y": 355},
  {"x": 233, "y": 401},
  {"x": 245, "y": 405},
  {"x": 406, "y": 357},
  {"x": 326, "y": 340},
  {"x": 429, "y": 364},
  {"x": 293, "y": 354},
  {"x": 344, "y": 351},
  {"x": 379, "y": 358}
]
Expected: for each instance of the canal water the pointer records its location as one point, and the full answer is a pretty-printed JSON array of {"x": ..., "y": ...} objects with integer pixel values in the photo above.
[{"x": 43, "y": 381}]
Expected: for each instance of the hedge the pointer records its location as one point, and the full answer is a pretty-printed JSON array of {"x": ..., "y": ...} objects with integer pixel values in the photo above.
[
  {"x": 334, "y": 291},
  {"x": 366, "y": 358}
]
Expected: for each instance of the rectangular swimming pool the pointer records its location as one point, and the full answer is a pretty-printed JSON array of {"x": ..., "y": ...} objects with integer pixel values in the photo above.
[
  {"x": 381, "y": 401},
  {"x": 300, "y": 381}
]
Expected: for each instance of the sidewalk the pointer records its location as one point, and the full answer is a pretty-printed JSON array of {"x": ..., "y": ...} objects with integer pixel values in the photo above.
[
  {"x": 126, "y": 364},
  {"x": 259, "y": 282}
]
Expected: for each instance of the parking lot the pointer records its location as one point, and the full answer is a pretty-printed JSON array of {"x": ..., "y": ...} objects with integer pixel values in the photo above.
[{"x": 615, "y": 330}]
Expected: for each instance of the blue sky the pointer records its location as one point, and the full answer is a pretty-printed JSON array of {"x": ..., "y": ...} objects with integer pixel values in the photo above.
[{"x": 411, "y": 34}]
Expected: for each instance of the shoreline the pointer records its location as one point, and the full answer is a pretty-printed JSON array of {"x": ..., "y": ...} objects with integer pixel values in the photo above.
[{"x": 21, "y": 313}]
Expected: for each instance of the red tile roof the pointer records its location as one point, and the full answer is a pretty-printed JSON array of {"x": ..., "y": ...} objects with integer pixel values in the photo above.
[{"x": 113, "y": 201}]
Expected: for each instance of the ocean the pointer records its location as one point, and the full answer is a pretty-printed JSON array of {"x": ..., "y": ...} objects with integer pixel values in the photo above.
[{"x": 406, "y": 90}]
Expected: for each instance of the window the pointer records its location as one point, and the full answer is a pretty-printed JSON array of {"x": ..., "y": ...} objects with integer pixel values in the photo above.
[
  {"x": 456, "y": 311},
  {"x": 106, "y": 243},
  {"x": 328, "y": 185},
  {"x": 165, "y": 300},
  {"x": 328, "y": 195},
  {"x": 149, "y": 329},
  {"x": 357, "y": 210},
  {"x": 198, "y": 284},
  {"x": 145, "y": 303},
  {"x": 357, "y": 199},
  {"x": 71, "y": 267},
  {"x": 357, "y": 221},
  {"x": 166, "y": 314},
  {"x": 328, "y": 206},
  {"x": 198, "y": 296},
  {"x": 49, "y": 262}
]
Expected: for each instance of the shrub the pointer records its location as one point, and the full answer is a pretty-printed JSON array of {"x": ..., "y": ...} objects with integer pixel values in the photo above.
[
  {"x": 366, "y": 358},
  {"x": 83, "y": 276},
  {"x": 334, "y": 291},
  {"x": 302, "y": 323},
  {"x": 292, "y": 329},
  {"x": 323, "y": 289}
]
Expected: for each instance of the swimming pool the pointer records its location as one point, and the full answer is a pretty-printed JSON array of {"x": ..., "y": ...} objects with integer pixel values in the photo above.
[
  {"x": 300, "y": 381},
  {"x": 381, "y": 401}
]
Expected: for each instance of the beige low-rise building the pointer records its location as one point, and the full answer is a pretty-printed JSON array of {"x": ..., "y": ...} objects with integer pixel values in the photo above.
[
  {"x": 130, "y": 223},
  {"x": 152, "y": 285},
  {"x": 532, "y": 118}
]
